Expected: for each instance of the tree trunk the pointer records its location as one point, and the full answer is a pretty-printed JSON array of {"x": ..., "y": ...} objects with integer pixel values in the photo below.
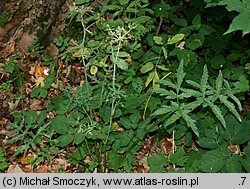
[{"x": 22, "y": 21}]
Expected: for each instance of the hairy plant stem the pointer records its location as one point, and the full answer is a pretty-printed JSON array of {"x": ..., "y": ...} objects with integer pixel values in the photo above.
[{"x": 113, "y": 103}]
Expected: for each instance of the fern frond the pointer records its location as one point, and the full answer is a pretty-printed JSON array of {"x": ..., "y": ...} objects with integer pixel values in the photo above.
[{"x": 230, "y": 106}]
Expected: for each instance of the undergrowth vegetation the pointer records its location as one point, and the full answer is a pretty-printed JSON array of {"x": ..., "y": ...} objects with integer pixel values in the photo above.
[{"x": 168, "y": 69}]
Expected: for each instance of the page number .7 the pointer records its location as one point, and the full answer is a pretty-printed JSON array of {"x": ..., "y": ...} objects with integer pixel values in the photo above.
[{"x": 243, "y": 180}]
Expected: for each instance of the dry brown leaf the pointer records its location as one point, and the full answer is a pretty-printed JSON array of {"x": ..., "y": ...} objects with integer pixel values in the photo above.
[
  {"x": 36, "y": 104},
  {"x": 14, "y": 169},
  {"x": 42, "y": 168},
  {"x": 40, "y": 81},
  {"x": 13, "y": 105}
]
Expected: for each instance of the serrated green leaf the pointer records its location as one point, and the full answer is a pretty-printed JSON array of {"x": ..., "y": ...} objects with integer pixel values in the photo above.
[
  {"x": 212, "y": 161},
  {"x": 190, "y": 122},
  {"x": 239, "y": 22},
  {"x": 204, "y": 79},
  {"x": 163, "y": 110},
  {"x": 147, "y": 67},
  {"x": 172, "y": 119},
  {"x": 175, "y": 39},
  {"x": 194, "y": 84},
  {"x": 167, "y": 83},
  {"x": 157, "y": 163},
  {"x": 180, "y": 74},
  {"x": 230, "y": 106},
  {"x": 243, "y": 84},
  {"x": 216, "y": 112},
  {"x": 178, "y": 158},
  {"x": 218, "y": 83}
]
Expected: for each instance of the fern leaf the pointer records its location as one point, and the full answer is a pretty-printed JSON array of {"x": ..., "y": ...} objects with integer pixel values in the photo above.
[
  {"x": 180, "y": 74},
  {"x": 172, "y": 119},
  {"x": 230, "y": 106},
  {"x": 218, "y": 83},
  {"x": 190, "y": 122},
  {"x": 204, "y": 79},
  {"x": 217, "y": 112},
  {"x": 163, "y": 110},
  {"x": 191, "y": 106},
  {"x": 194, "y": 84}
]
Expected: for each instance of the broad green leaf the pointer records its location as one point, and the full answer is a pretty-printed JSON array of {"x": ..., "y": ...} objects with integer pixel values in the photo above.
[
  {"x": 212, "y": 161},
  {"x": 79, "y": 138},
  {"x": 64, "y": 140},
  {"x": 158, "y": 40},
  {"x": 243, "y": 84},
  {"x": 178, "y": 158},
  {"x": 60, "y": 124},
  {"x": 41, "y": 117},
  {"x": 147, "y": 67},
  {"x": 207, "y": 143},
  {"x": 121, "y": 63},
  {"x": 157, "y": 163},
  {"x": 196, "y": 22},
  {"x": 232, "y": 165},
  {"x": 241, "y": 134},
  {"x": 150, "y": 78},
  {"x": 246, "y": 164},
  {"x": 241, "y": 21},
  {"x": 175, "y": 39},
  {"x": 165, "y": 53},
  {"x": 162, "y": 9},
  {"x": 31, "y": 117},
  {"x": 123, "y": 54}
]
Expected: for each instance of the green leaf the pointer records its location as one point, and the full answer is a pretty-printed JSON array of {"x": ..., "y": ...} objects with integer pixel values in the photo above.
[
  {"x": 216, "y": 112},
  {"x": 241, "y": 134},
  {"x": 190, "y": 122},
  {"x": 232, "y": 165},
  {"x": 174, "y": 117},
  {"x": 147, "y": 67},
  {"x": 162, "y": 9},
  {"x": 178, "y": 158},
  {"x": 150, "y": 78},
  {"x": 64, "y": 140},
  {"x": 157, "y": 163},
  {"x": 218, "y": 83},
  {"x": 242, "y": 21},
  {"x": 243, "y": 84},
  {"x": 180, "y": 74},
  {"x": 212, "y": 161},
  {"x": 79, "y": 138},
  {"x": 246, "y": 164},
  {"x": 123, "y": 2},
  {"x": 230, "y": 106},
  {"x": 61, "y": 124},
  {"x": 165, "y": 53},
  {"x": 163, "y": 110},
  {"x": 204, "y": 79},
  {"x": 207, "y": 143},
  {"x": 175, "y": 39},
  {"x": 158, "y": 40}
]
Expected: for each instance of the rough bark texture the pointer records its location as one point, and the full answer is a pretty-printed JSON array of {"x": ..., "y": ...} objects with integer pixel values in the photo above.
[{"x": 31, "y": 19}]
